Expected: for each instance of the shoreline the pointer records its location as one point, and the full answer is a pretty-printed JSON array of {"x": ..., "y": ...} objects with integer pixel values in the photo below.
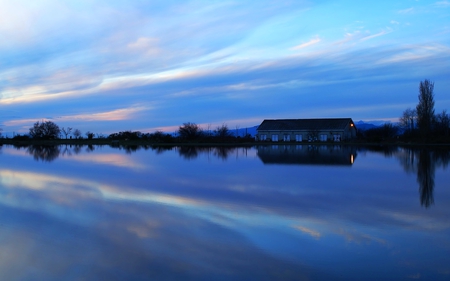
[{"x": 200, "y": 143}]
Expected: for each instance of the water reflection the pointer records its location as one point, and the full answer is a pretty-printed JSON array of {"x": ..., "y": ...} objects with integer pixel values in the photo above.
[
  {"x": 50, "y": 153},
  {"x": 422, "y": 162},
  {"x": 44, "y": 152},
  {"x": 307, "y": 154},
  {"x": 221, "y": 152},
  {"x": 107, "y": 214}
]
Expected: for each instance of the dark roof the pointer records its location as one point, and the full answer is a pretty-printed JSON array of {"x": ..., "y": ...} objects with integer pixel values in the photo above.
[{"x": 305, "y": 124}]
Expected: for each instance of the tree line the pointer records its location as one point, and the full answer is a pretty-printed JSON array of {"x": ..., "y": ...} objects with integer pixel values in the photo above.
[
  {"x": 188, "y": 132},
  {"x": 419, "y": 124}
]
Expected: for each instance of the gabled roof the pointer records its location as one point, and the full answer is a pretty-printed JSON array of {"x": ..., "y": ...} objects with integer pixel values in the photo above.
[{"x": 304, "y": 124}]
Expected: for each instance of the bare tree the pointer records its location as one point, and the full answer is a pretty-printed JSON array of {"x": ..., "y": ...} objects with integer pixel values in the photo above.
[
  {"x": 442, "y": 123},
  {"x": 408, "y": 119},
  {"x": 77, "y": 133},
  {"x": 425, "y": 108},
  {"x": 66, "y": 131},
  {"x": 222, "y": 131},
  {"x": 89, "y": 135}
]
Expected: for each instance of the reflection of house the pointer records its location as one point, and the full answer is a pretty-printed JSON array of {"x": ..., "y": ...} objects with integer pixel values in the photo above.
[
  {"x": 326, "y": 129},
  {"x": 307, "y": 154}
]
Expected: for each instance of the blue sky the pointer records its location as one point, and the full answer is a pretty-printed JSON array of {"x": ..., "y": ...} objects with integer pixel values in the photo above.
[{"x": 109, "y": 66}]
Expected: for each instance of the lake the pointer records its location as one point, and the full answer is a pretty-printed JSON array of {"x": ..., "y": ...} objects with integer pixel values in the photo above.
[{"x": 280, "y": 212}]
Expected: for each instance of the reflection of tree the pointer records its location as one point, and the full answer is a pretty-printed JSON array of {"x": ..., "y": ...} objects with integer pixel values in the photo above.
[
  {"x": 223, "y": 152},
  {"x": 420, "y": 161},
  {"x": 425, "y": 178},
  {"x": 77, "y": 149},
  {"x": 160, "y": 149},
  {"x": 188, "y": 152},
  {"x": 192, "y": 152},
  {"x": 408, "y": 160},
  {"x": 424, "y": 162},
  {"x": 44, "y": 152}
]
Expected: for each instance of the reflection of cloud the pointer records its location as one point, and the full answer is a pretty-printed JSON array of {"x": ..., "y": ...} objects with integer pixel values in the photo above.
[
  {"x": 359, "y": 238},
  {"x": 108, "y": 159},
  {"x": 311, "y": 232},
  {"x": 418, "y": 222},
  {"x": 144, "y": 229}
]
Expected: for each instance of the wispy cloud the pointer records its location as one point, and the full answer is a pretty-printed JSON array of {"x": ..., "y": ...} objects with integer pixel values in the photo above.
[
  {"x": 384, "y": 32},
  {"x": 113, "y": 115},
  {"x": 442, "y": 4},
  {"x": 307, "y": 44},
  {"x": 407, "y": 11}
]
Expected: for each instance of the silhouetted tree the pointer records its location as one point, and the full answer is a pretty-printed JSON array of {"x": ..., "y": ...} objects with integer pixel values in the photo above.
[
  {"x": 408, "y": 119},
  {"x": 159, "y": 137},
  {"x": 190, "y": 131},
  {"x": 222, "y": 131},
  {"x": 44, "y": 130},
  {"x": 89, "y": 135},
  {"x": 127, "y": 135},
  {"x": 66, "y": 131},
  {"x": 387, "y": 131},
  {"x": 425, "y": 107},
  {"x": 442, "y": 123},
  {"x": 77, "y": 133}
]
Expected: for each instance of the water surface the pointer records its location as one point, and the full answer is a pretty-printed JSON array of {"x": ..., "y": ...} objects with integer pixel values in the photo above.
[{"x": 262, "y": 213}]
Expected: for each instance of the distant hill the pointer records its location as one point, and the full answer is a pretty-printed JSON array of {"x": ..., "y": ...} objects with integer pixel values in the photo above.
[{"x": 363, "y": 126}]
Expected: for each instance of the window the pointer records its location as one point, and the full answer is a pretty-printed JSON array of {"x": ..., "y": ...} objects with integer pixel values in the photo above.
[
  {"x": 298, "y": 137},
  {"x": 337, "y": 138},
  {"x": 286, "y": 138},
  {"x": 274, "y": 137},
  {"x": 263, "y": 137},
  {"x": 323, "y": 137}
]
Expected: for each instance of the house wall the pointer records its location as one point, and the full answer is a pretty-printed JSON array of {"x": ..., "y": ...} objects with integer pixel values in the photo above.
[{"x": 330, "y": 135}]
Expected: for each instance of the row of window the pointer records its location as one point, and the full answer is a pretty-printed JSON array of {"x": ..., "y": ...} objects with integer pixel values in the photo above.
[{"x": 299, "y": 138}]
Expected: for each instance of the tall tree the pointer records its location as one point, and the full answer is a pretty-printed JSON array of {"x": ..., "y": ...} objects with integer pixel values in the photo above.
[{"x": 425, "y": 107}]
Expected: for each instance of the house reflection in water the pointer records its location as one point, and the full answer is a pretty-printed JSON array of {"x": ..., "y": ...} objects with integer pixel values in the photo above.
[{"x": 307, "y": 154}]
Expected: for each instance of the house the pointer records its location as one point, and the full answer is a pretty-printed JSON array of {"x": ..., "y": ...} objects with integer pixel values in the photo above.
[{"x": 298, "y": 130}]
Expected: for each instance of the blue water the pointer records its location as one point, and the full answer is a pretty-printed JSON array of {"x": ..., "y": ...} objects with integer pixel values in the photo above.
[{"x": 261, "y": 213}]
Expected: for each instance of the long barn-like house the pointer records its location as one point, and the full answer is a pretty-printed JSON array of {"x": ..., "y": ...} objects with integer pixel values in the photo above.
[{"x": 298, "y": 130}]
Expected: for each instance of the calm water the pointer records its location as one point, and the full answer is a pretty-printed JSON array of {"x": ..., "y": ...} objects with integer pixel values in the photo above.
[{"x": 262, "y": 213}]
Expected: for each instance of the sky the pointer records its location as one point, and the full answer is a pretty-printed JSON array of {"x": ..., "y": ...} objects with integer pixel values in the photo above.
[{"x": 108, "y": 66}]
